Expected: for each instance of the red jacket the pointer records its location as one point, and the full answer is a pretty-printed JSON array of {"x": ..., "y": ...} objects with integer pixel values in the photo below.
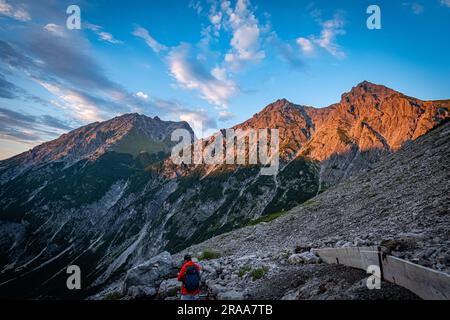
[{"x": 181, "y": 278}]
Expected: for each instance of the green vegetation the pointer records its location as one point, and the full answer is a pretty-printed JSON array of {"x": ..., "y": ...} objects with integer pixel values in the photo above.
[
  {"x": 265, "y": 218},
  {"x": 212, "y": 186},
  {"x": 323, "y": 187},
  {"x": 244, "y": 270},
  {"x": 184, "y": 184},
  {"x": 135, "y": 143},
  {"x": 300, "y": 180},
  {"x": 86, "y": 182},
  {"x": 258, "y": 273},
  {"x": 208, "y": 255},
  {"x": 309, "y": 203}
]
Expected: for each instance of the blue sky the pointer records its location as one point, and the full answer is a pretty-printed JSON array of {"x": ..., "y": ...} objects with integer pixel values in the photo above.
[{"x": 203, "y": 61}]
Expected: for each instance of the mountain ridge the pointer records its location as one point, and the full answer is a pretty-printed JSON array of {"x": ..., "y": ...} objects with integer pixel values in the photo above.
[{"x": 119, "y": 199}]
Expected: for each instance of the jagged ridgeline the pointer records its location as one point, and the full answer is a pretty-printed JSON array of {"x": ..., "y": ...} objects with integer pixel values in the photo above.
[{"x": 106, "y": 196}]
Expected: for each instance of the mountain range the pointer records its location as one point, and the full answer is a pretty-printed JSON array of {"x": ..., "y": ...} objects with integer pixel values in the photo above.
[{"x": 107, "y": 196}]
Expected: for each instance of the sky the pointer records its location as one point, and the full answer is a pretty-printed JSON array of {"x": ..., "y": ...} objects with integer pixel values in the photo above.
[{"x": 211, "y": 63}]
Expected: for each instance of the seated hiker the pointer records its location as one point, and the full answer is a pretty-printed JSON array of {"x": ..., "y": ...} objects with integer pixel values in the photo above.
[{"x": 190, "y": 277}]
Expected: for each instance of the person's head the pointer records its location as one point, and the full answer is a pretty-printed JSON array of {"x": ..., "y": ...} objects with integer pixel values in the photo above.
[{"x": 187, "y": 258}]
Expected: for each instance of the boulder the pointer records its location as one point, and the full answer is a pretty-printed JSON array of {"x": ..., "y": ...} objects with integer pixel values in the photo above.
[
  {"x": 400, "y": 245},
  {"x": 305, "y": 257},
  {"x": 216, "y": 288},
  {"x": 147, "y": 276},
  {"x": 141, "y": 292},
  {"x": 169, "y": 288},
  {"x": 302, "y": 248}
]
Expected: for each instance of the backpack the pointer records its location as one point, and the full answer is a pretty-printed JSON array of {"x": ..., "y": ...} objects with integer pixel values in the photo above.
[{"x": 191, "y": 279}]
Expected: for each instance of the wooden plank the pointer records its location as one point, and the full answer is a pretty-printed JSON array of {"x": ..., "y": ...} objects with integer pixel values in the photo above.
[
  {"x": 356, "y": 257},
  {"x": 424, "y": 282}
]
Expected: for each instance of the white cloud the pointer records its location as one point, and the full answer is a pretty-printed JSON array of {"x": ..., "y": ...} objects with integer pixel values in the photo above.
[
  {"x": 108, "y": 37},
  {"x": 199, "y": 119},
  {"x": 151, "y": 42},
  {"x": 445, "y": 3},
  {"x": 190, "y": 73},
  {"x": 305, "y": 45},
  {"x": 196, "y": 5},
  {"x": 216, "y": 19},
  {"x": 55, "y": 29},
  {"x": 226, "y": 115},
  {"x": 14, "y": 12},
  {"x": 246, "y": 34},
  {"x": 330, "y": 30},
  {"x": 81, "y": 108},
  {"x": 219, "y": 73},
  {"x": 415, "y": 7},
  {"x": 142, "y": 95},
  {"x": 102, "y": 35},
  {"x": 200, "y": 122}
]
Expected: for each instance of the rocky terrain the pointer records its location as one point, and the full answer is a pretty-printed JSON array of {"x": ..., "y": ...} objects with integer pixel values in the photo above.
[
  {"x": 401, "y": 204},
  {"x": 252, "y": 277},
  {"x": 107, "y": 197}
]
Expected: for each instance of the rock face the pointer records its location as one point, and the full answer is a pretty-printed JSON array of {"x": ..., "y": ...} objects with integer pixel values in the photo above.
[
  {"x": 169, "y": 289},
  {"x": 402, "y": 203},
  {"x": 106, "y": 196},
  {"x": 385, "y": 207},
  {"x": 369, "y": 122},
  {"x": 145, "y": 279},
  {"x": 296, "y": 124}
]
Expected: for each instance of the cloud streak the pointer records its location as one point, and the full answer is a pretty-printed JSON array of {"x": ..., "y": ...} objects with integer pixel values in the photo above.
[
  {"x": 101, "y": 34},
  {"x": 331, "y": 29},
  {"x": 149, "y": 40},
  {"x": 29, "y": 129},
  {"x": 15, "y": 12},
  {"x": 191, "y": 74},
  {"x": 445, "y": 3}
]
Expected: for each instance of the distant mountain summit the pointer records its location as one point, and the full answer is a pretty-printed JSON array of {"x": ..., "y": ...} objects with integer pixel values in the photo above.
[
  {"x": 128, "y": 134},
  {"x": 370, "y": 120},
  {"x": 106, "y": 196},
  {"x": 296, "y": 123}
]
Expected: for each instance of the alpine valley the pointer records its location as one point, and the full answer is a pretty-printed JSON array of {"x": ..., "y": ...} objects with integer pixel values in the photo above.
[{"x": 107, "y": 197}]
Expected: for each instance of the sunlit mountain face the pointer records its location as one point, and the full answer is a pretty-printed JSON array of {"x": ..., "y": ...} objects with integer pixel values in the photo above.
[{"x": 95, "y": 99}]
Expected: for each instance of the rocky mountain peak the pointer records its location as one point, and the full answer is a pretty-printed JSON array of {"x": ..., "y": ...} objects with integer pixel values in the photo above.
[
  {"x": 367, "y": 91},
  {"x": 278, "y": 105},
  {"x": 294, "y": 122},
  {"x": 130, "y": 133}
]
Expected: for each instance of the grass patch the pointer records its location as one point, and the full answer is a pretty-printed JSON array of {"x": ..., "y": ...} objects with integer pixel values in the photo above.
[
  {"x": 209, "y": 255},
  {"x": 265, "y": 218},
  {"x": 310, "y": 203},
  {"x": 243, "y": 271},
  {"x": 258, "y": 273}
]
